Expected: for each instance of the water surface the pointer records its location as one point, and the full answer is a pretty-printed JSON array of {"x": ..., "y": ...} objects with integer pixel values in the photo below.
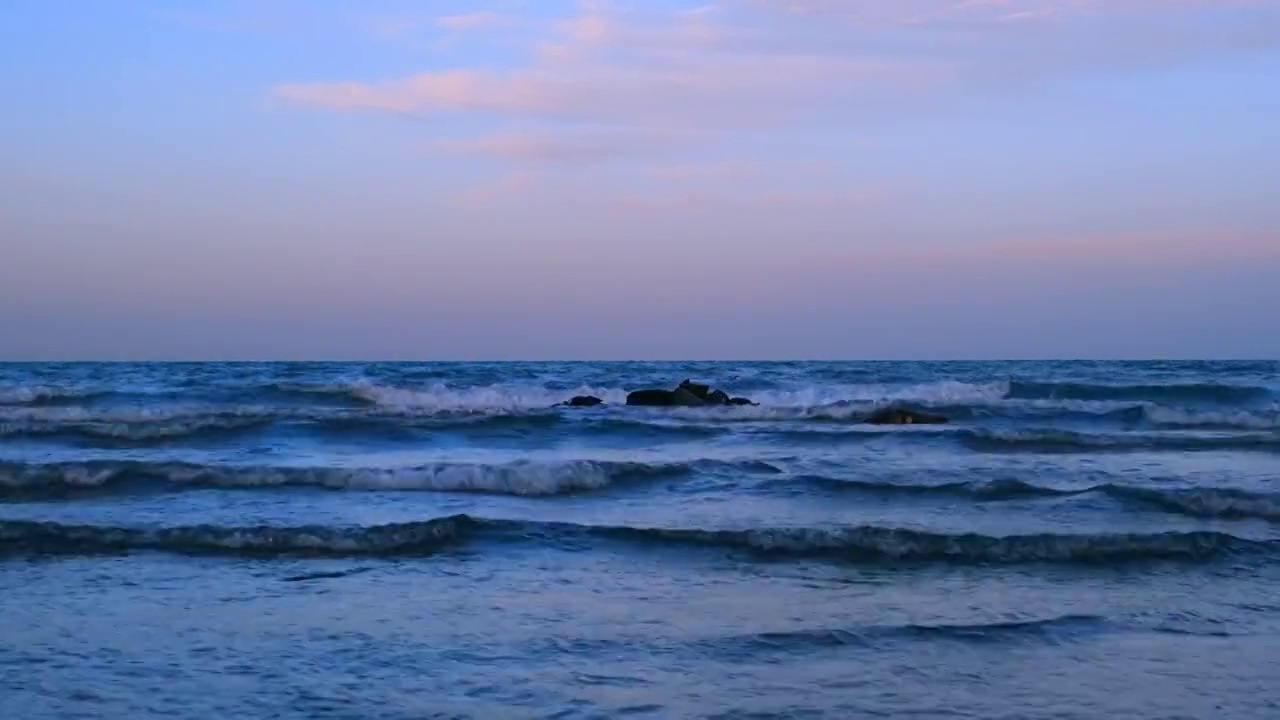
[{"x": 1083, "y": 540}]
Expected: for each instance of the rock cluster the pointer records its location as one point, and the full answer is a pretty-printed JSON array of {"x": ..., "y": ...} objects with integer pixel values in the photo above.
[
  {"x": 686, "y": 394},
  {"x": 691, "y": 394}
]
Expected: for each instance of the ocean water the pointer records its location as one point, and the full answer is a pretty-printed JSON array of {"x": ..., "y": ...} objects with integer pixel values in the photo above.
[{"x": 1083, "y": 540}]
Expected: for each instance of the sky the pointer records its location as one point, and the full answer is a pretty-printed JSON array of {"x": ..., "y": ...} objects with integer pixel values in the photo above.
[{"x": 733, "y": 179}]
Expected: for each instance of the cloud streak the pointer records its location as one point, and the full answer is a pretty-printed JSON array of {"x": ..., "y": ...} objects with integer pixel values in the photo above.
[
  {"x": 481, "y": 20},
  {"x": 582, "y": 148}
]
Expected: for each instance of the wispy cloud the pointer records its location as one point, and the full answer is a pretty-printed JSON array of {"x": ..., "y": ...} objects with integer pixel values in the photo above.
[
  {"x": 575, "y": 147},
  {"x": 706, "y": 171},
  {"x": 473, "y": 21},
  {"x": 753, "y": 198},
  {"x": 779, "y": 68},
  {"x": 656, "y": 69},
  {"x": 721, "y": 68}
]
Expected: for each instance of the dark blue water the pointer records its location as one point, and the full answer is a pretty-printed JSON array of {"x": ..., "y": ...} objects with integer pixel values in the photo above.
[{"x": 1083, "y": 540}]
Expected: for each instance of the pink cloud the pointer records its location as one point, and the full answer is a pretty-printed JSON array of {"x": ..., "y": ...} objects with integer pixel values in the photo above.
[
  {"x": 773, "y": 68},
  {"x": 922, "y": 11},
  {"x": 729, "y": 67},
  {"x": 676, "y": 70}
]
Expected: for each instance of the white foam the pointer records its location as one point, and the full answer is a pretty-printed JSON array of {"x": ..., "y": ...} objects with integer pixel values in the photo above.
[
  {"x": 35, "y": 393},
  {"x": 486, "y": 399}
]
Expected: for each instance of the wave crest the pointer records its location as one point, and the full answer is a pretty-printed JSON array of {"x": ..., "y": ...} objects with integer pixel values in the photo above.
[
  {"x": 1193, "y": 502},
  {"x": 43, "y": 394},
  {"x": 18, "y": 536},
  {"x": 1068, "y": 441},
  {"x": 961, "y": 632},
  {"x": 1186, "y": 392},
  {"x": 526, "y": 478},
  {"x": 866, "y": 544},
  {"x": 1163, "y": 416},
  {"x": 869, "y": 543}
]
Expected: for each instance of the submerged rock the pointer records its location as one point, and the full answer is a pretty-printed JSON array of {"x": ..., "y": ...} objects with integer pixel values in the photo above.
[
  {"x": 583, "y": 401},
  {"x": 742, "y": 401},
  {"x": 902, "y": 416}
]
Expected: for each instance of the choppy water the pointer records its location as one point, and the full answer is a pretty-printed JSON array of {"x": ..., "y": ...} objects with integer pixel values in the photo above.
[{"x": 1084, "y": 540}]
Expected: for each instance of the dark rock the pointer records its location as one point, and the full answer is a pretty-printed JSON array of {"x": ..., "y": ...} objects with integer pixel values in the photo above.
[
  {"x": 650, "y": 398},
  {"x": 717, "y": 397},
  {"x": 697, "y": 389},
  {"x": 901, "y": 416},
  {"x": 584, "y": 401},
  {"x": 686, "y": 394},
  {"x": 683, "y": 397}
]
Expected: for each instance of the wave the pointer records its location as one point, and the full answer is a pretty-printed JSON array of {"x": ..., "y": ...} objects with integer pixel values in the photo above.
[
  {"x": 963, "y": 632},
  {"x": 1067, "y": 441},
  {"x": 1003, "y": 489},
  {"x": 870, "y": 543},
  {"x": 1204, "y": 502},
  {"x": 1223, "y": 503},
  {"x": 1233, "y": 420},
  {"x": 859, "y": 544},
  {"x": 48, "y": 538},
  {"x": 526, "y": 478},
  {"x": 163, "y": 428},
  {"x": 1188, "y": 392},
  {"x": 443, "y": 399},
  {"x": 141, "y": 433}
]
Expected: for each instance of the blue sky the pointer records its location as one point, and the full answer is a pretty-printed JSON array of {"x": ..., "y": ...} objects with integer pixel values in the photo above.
[{"x": 741, "y": 179}]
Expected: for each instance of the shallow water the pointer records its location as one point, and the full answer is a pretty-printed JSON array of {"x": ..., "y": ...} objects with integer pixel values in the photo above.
[{"x": 1083, "y": 540}]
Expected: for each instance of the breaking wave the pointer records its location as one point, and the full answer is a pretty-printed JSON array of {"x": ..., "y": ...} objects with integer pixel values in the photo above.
[
  {"x": 866, "y": 544},
  {"x": 527, "y": 478},
  {"x": 32, "y": 410},
  {"x": 113, "y": 428},
  {"x": 45, "y": 395}
]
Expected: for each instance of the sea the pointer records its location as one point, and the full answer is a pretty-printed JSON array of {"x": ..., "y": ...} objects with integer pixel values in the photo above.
[{"x": 445, "y": 540}]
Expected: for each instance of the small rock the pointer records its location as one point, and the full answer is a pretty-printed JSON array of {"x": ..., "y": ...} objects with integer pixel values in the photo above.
[
  {"x": 583, "y": 401},
  {"x": 741, "y": 401}
]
